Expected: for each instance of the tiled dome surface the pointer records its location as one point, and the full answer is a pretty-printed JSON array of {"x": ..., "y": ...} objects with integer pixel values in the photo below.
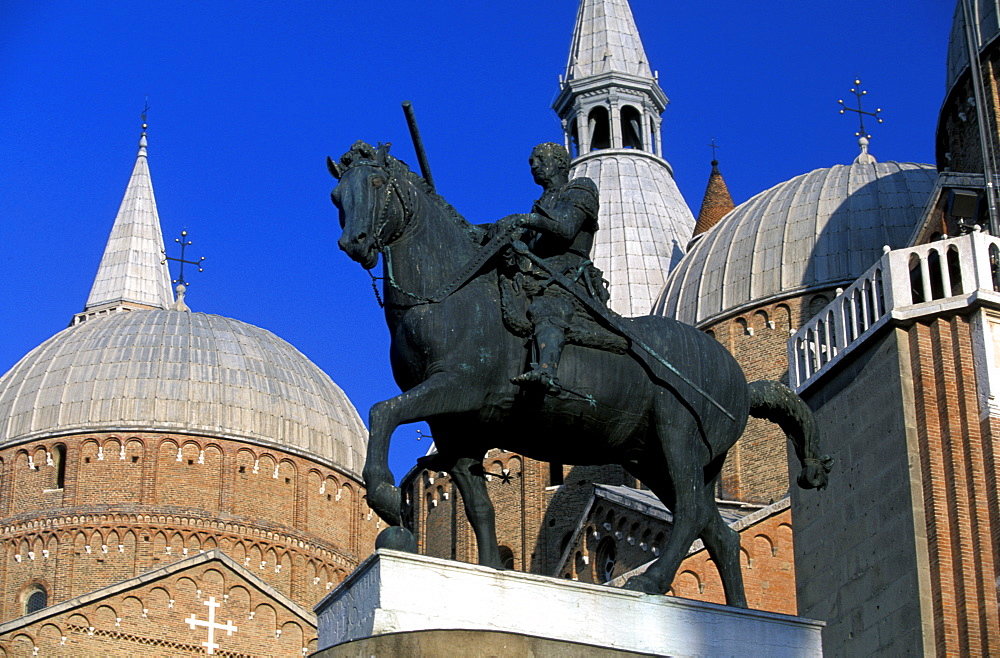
[
  {"x": 182, "y": 372},
  {"x": 817, "y": 230}
]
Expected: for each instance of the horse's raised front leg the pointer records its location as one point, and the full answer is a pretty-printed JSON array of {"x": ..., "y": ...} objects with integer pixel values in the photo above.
[
  {"x": 471, "y": 481},
  {"x": 442, "y": 393}
]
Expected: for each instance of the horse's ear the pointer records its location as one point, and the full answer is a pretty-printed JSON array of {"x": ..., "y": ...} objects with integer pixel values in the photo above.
[
  {"x": 381, "y": 156},
  {"x": 334, "y": 168}
]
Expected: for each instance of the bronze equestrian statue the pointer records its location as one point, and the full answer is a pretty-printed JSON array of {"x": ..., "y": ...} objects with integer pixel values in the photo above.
[{"x": 667, "y": 403}]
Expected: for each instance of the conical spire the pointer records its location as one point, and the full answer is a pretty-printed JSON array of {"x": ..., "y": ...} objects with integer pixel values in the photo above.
[
  {"x": 132, "y": 273},
  {"x": 717, "y": 201},
  {"x": 606, "y": 40}
]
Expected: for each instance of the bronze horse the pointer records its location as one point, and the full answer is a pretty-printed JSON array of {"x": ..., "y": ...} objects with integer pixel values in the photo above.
[{"x": 454, "y": 360}]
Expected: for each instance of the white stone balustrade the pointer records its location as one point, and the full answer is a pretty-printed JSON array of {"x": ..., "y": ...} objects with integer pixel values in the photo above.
[{"x": 903, "y": 284}]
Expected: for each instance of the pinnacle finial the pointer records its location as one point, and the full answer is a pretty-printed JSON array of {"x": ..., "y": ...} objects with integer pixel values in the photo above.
[
  {"x": 864, "y": 157},
  {"x": 142, "y": 138}
]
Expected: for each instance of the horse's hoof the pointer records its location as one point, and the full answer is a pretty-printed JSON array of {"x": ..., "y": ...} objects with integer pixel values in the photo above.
[
  {"x": 397, "y": 538},
  {"x": 643, "y": 584}
]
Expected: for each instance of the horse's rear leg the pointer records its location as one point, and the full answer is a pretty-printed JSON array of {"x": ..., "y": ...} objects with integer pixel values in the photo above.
[
  {"x": 468, "y": 476},
  {"x": 723, "y": 544},
  {"x": 683, "y": 451}
]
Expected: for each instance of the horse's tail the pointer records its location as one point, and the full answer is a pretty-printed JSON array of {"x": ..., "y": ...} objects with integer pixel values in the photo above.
[{"x": 779, "y": 404}]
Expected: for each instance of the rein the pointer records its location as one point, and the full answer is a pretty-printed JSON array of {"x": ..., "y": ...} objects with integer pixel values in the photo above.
[
  {"x": 382, "y": 245},
  {"x": 464, "y": 275}
]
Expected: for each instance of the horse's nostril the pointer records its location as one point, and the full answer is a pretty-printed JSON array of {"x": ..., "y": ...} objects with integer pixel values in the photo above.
[{"x": 361, "y": 237}]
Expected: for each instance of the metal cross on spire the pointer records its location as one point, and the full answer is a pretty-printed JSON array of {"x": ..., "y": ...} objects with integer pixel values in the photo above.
[
  {"x": 145, "y": 109},
  {"x": 714, "y": 146},
  {"x": 183, "y": 242},
  {"x": 858, "y": 93}
]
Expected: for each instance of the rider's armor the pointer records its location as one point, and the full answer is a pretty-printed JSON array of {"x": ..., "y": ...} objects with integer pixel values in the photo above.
[{"x": 553, "y": 310}]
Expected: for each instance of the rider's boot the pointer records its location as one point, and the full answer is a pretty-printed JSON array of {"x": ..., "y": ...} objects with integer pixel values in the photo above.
[{"x": 549, "y": 342}]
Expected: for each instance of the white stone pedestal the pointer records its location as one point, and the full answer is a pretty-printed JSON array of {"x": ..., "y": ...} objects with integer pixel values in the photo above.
[{"x": 394, "y": 592}]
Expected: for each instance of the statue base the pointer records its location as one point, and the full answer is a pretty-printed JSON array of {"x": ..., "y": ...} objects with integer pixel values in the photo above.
[{"x": 413, "y": 602}]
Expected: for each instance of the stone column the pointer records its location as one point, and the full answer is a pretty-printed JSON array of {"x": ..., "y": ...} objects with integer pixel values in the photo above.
[
  {"x": 616, "y": 123},
  {"x": 647, "y": 128},
  {"x": 583, "y": 131}
]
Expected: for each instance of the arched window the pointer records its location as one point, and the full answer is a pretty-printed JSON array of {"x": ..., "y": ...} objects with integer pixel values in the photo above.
[
  {"x": 631, "y": 120},
  {"x": 606, "y": 556},
  {"x": 954, "y": 272},
  {"x": 600, "y": 128},
  {"x": 934, "y": 267},
  {"x": 995, "y": 266},
  {"x": 506, "y": 557},
  {"x": 35, "y": 598},
  {"x": 59, "y": 465},
  {"x": 917, "y": 293},
  {"x": 574, "y": 141}
]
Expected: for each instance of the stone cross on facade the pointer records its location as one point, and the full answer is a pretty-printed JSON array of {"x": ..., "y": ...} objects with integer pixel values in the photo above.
[
  {"x": 211, "y": 625},
  {"x": 856, "y": 90}
]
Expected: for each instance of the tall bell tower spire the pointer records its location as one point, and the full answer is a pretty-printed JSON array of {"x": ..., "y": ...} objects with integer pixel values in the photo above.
[
  {"x": 133, "y": 274},
  {"x": 610, "y": 103},
  {"x": 609, "y": 96}
]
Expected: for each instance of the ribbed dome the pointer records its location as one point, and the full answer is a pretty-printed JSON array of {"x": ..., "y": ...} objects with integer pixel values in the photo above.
[
  {"x": 958, "y": 56},
  {"x": 181, "y": 372},
  {"x": 818, "y": 230},
  {"x": 644, "y": 224}
]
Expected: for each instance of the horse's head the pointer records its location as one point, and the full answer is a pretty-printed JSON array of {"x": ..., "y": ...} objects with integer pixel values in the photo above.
[{"x": 373, "y": 197}]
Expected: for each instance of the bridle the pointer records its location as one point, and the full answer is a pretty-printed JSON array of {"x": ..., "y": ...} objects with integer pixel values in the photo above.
[{"x": 406, "y": 205}]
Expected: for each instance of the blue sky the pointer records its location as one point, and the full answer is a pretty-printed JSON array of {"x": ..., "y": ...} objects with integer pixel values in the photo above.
[{"x": 248, "y": 99}]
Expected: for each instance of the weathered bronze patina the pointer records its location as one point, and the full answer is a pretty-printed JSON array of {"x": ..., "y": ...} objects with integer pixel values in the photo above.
[{"x": 659, "y": 397}]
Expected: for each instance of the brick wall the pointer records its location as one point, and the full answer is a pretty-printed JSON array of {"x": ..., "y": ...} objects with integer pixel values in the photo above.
[
  {"x": 135, "y": 502},
  {"x": 957, "y": 467},
  {"x": 756, "y": 469},
  {"x": 899, "y": 554}
]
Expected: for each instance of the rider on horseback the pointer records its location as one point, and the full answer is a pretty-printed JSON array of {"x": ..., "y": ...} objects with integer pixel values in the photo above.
[{"x": 560, "y": 231}]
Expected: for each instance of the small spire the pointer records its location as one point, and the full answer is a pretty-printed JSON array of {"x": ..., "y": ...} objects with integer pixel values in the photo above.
[
  {"x": 717, "y": 201},
  {"x": 131, "y": 275}
]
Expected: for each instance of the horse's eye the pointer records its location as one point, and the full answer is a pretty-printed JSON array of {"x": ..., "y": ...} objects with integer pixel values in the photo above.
[{"x": 378, "y": 181}]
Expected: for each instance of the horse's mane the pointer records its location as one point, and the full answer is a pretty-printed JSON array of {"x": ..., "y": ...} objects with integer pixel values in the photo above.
[{"x": 362, "y": 152}]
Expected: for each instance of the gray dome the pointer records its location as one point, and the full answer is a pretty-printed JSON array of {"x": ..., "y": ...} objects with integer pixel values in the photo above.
[
  {"x": 958, "y": 57},
  {"x": 818, "y": 230},
  {"x": 644, "y": 224},
  {"x": 183, "y": 372}
]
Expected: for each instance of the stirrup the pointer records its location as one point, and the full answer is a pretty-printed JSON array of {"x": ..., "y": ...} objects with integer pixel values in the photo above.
[{"x": 540, "y": 379}]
